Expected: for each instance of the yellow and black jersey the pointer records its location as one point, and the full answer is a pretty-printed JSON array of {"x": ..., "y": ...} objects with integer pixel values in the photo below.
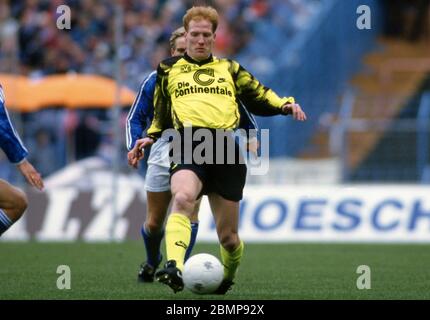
[{"x": 204, "y": 94}]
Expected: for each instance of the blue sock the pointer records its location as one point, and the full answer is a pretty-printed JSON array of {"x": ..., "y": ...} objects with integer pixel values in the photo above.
[
  {"x": 194, "y": 230},
  {"x": 5, "y": 222},
  {"x": 152, "y": 246}
]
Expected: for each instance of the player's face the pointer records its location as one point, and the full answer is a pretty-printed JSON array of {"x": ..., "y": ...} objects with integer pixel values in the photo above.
[
  {"x": 180, "y": 47},
  {"x": 200, "y": 39}
]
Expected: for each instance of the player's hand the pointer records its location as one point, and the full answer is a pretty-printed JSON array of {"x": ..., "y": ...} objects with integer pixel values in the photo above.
[
  {"x": 137, "y": 153},
  {"x": 31, "y": 175},
  {"x": 295, "y": 110},
  {"x": 252, "y": 146}
]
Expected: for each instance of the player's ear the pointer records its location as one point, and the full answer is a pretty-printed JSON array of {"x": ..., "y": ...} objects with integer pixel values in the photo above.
[{"x": 214, "y": 36}]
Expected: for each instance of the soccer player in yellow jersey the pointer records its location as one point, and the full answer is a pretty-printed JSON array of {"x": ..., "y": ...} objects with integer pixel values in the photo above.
[{"x": 200, "y": 90}]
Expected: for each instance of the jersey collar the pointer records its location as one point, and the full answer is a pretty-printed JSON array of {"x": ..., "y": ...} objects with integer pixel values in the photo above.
[{"x": 200, "y": 63}]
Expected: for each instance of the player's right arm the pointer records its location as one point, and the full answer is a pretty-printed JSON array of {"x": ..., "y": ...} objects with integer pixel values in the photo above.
[
  {"x": 159, "y": 121},
  {"x": 139, "y": 117},
  {"x": 162, "y": 102},
  {"x": 162, "y": 115},
  {"x": 141, "y": 112},
  {"x": 13, "y": 147}
]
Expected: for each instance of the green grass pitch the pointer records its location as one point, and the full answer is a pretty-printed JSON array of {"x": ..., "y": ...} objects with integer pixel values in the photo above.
[{"x": 268, "y": 271}]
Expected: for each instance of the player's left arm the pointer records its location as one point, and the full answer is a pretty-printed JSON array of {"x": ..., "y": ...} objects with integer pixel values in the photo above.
[
  {"x": 247, "y": 120},
  {"x": 295, "y": 110},
  {"x": 261, "y": 100},
  {"x": 30, "y": 174},
  {"x": 249, "y": 124},
  {"x": 9, "y": 139},
  {"x": 14, "y": 148}
]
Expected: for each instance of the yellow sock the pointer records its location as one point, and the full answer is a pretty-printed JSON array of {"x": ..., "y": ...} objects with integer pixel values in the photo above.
[
  {"x": 178, "y": 235},
  {"x": 231, "y": 261}
]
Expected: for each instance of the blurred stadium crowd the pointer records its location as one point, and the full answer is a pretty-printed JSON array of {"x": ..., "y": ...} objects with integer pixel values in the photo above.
[
  {"x": 29, "y": 33},
  {"x": 31, "y": 45}
]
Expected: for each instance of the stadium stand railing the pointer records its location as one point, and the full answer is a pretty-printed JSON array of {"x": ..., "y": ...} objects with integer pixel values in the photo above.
[
  {"x": 423, "y": 164},
  {"x": 313, "y": 66},
  {"x": 396, "y": 148}
]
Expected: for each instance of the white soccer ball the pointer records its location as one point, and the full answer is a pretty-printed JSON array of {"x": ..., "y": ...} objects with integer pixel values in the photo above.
[{"x": 203, "y": 273}]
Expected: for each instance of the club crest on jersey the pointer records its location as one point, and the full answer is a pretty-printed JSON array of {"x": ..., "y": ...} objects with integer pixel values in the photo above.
[{"x": 186, "y": 68}]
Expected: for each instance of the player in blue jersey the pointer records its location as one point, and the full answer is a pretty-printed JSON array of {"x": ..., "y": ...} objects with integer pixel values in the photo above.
[
  {"x": 157, "y": 183},
  {"x": 13, "y": 202},
  {"x": 157, "y": 176}
]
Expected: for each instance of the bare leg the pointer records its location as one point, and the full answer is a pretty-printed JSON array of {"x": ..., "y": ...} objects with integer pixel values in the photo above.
[
  {"x": 158, "y": 204},
  {"x": 12, "y": 200},
  {"x": 226, "y": 214},
  {"x": 13, "y": 203},
  {"x": 185, "y": 186}
]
